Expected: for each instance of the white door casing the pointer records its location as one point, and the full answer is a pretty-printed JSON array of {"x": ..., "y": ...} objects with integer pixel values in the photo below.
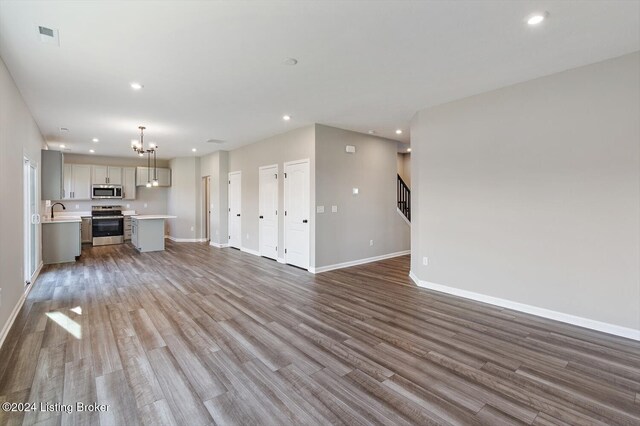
[
  {"x": 268, "y": 211},
  {"x": 235, "y": 207},
  {"x": 297, "y": 213}
]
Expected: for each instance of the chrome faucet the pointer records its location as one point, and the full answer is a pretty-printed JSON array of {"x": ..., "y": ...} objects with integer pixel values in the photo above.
[{"x": 53, "y": 205}]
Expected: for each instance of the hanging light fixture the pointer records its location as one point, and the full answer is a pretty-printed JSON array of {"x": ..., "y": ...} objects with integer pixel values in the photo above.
[{"x": 138, "y": 147}]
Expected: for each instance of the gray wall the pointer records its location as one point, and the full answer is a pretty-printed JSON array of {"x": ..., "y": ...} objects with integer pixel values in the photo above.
[
  {"x": 294, "y": 145},
  {"x": 531, "y": 193},
  {"x": 148, "y": 200},
  {"x": 371, "y": 215},
  {"x": 216, "y": 166},
  {"x": 19, "y": 137},
  {"x": 184, "y": 198}
]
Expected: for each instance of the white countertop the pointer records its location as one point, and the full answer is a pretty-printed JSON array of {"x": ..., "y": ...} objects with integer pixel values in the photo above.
[
  {"x": 63, "y": 219},
  {"x": 152, "y": 217},
  {"x": 82, "y": 213}
]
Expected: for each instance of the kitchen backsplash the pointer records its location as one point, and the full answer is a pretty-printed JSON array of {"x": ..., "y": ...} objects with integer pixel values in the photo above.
[{"x": 148, "y": 201}]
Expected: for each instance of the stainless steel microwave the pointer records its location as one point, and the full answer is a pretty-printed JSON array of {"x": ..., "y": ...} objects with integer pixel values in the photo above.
[{"x": 106, "y": 191}]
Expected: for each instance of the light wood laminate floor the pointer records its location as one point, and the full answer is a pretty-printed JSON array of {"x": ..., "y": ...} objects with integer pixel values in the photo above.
[{"x": 197, "y": 335}]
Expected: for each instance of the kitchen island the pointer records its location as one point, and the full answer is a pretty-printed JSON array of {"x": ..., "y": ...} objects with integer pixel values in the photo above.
[
  {"x": 61, "y": 239},
  {"x": 147, "y": 232}
]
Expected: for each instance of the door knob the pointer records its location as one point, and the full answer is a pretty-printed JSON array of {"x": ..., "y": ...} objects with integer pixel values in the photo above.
[
  {"x": 261, "y": 217},
  {"x": 238, "y": 215},
  {"x": 305, "y": 221}
]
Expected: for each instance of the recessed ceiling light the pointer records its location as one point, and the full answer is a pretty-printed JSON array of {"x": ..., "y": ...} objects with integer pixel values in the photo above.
[
  {"x": 372, "y": 132},
  {"x": 92, "y": 151},
  {"x": 398, "y": 132},
  {"x": 408, "y": 149},
  {"x": 136, "y": 86},
  {"x": 537, "y": 18},
  {"x": 62, "y": 145},
  {"x": 193, "y": 150},
  {"x": 286, "y": 117},
  {"x": 290, "y": 61},
  {"x": 95, "y": 140}
]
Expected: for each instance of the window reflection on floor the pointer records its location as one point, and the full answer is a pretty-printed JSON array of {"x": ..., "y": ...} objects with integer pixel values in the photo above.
[{"x": 67, "y": 323}]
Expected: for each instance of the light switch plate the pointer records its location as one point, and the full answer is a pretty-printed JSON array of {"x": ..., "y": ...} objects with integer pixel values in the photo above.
[
  {"x": 334, "y": 209},
  {"x": 319, "y": 209},
  {"x": 355, "y": 191},
  {"x": 350, "y": 149}
]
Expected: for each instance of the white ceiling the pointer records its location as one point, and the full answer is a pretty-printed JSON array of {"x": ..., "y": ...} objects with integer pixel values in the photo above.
[{"x": 214, "y": 69}]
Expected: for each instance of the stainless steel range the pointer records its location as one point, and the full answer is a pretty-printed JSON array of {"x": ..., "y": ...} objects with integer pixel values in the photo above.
[{"x": 107, "y": 224}]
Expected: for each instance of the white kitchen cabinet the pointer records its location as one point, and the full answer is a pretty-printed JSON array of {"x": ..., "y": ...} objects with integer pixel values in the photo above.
[
  {"x": 77, "y": 182},
  {"x": 145, "y": 174},
  {"x": 115, "y": 175},
  {"x": 106, "y": 175},
  {"x": 129, "y": 183}
]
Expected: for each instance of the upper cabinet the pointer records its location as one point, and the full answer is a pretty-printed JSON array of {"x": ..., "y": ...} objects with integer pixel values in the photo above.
[
  {"x": 62, "y": 181},
  {"x": 129, "y": 183},
  {"x": 51, "y": 174},
  {"x": 145, "y": 174},
  {"x": 77, "y": 182},
  {"x": 106, "y": 175}
]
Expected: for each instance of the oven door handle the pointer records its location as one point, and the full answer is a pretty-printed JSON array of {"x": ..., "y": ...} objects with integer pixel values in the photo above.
[{"x": 106, "y": 217}]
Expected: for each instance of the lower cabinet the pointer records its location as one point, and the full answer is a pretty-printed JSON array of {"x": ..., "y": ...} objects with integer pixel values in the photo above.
[
  {"x": 60, "y": 242},
  {"x": 85, "y": 230},
  {"x": 127, "y": 228}
]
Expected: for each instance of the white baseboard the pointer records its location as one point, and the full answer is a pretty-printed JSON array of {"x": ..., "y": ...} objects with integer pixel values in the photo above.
[
  {"x": 247, "y": 250},
  {"x": 403, "y": 216},
  {"x": 16, "y": 309},
  {"x": 616, "y": 330},
  {"x": 358, "y": 262},
  {"x": 211, "y": 243},
  {"x": 281, "y": 260},
  {"x": 186, "y": 240}
]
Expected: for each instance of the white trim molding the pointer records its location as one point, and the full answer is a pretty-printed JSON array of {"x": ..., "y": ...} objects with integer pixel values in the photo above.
[
  {"x": 247, "y": 250},
  {"x": 186, "y": 240},
  {"x": 16, "y": 309},
  {"x": 403, "y": 216},
  {"x": 358, "y": 262},
  {"x": 604, "y": 327},
  {"x": 281, "y": 260},
  {"x": 211, "y": 243}
]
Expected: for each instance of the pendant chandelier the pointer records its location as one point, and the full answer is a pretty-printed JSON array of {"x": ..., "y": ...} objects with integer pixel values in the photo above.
[{"x": 138, "y": 147}]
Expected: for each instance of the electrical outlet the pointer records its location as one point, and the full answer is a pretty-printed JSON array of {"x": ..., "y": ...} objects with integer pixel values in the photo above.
[
  {"x": 192, "y": 229},
  {"x": 145, "y": 205},
  {"x": 370, "y": 242},
  {"x": 77, "y": 206},
  {"x": 128, "y": 205},
  {"x": 334, "y": 209},
  {"x": 425, "y": 261},
  {"x": 247, "y": 236}
]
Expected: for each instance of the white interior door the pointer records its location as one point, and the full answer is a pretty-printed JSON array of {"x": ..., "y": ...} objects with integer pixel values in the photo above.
[
  {"x": 268, "y": 210},
  {"x": 297, "y": 213},
  {"x": 235, "y": 207}
]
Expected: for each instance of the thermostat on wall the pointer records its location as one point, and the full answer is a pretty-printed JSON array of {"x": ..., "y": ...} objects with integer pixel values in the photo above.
[{"x": 350, "y": 149}]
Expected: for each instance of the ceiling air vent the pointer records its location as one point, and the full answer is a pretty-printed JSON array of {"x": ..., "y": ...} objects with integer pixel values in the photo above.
[
  {"x": 215, "y": 141},
  {"x": 48, "y": 35}
]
